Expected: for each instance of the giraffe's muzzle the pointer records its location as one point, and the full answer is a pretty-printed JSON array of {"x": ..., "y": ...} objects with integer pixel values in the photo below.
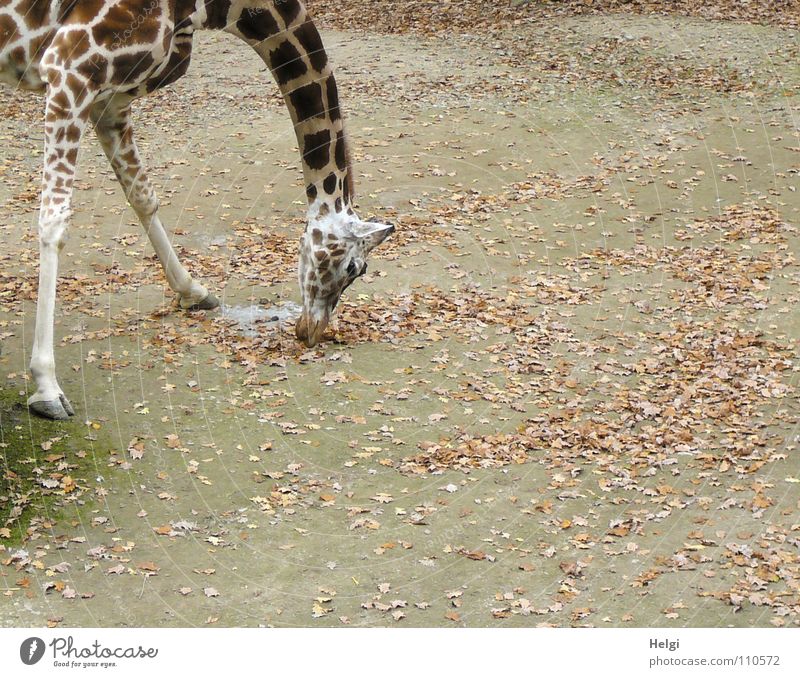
[{"x": 309, "y": 330}]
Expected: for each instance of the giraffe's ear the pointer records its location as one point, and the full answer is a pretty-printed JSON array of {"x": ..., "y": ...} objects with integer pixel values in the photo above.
[{"x": 372, "y": 234}]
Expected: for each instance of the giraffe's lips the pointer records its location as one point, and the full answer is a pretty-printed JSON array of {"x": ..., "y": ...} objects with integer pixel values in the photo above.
[{"x": 309, "y": 330}]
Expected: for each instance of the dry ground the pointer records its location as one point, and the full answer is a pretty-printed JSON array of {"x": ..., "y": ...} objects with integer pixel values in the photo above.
[{"x": 566, "y": 394}]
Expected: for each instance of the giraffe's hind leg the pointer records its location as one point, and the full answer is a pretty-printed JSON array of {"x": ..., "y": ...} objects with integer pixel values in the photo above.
[{"x": 114, "y": 130}]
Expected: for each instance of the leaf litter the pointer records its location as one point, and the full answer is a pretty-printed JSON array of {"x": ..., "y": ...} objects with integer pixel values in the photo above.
[{"x": 634, "y": 355}]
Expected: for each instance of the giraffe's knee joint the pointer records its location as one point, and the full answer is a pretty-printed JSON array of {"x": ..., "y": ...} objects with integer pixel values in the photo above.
[
  {"x": 53, "y": 230},
  {"x": 144, "y": 201}
]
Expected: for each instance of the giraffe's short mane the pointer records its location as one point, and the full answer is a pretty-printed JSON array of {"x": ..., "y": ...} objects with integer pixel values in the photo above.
[{"x": 349, "y": 176}]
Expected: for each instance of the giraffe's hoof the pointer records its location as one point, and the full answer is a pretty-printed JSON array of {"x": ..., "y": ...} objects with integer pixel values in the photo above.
[
  {"x": 55, "y": 410},
  {"x": 208, "y": 303}
]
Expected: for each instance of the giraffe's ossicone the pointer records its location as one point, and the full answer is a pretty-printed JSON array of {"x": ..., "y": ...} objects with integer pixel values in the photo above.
[{"x": 92, "y": 58}]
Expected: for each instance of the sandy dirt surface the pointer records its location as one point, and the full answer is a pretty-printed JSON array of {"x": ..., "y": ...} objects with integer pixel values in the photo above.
[{"x": 566, "y": 393}]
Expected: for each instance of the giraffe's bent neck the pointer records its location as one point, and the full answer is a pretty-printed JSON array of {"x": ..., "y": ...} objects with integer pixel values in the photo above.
[{"x": 283, "y": 35}]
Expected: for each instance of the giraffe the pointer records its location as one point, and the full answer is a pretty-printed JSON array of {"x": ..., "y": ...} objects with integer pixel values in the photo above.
[{"x": 93, "y": 58}]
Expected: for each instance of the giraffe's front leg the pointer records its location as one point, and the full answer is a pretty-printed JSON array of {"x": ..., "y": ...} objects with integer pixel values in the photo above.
[
  {"x": 64, "y": 126},
  {"x": 113, "y": 127},
  {"x": 49, "y": 400}
]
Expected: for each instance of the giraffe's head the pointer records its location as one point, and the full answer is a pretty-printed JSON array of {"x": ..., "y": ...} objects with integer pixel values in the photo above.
[{"x": 332, "y": 256}]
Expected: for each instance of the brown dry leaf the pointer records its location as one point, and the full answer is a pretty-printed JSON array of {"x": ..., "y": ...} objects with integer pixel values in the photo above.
[{"x": 151, "y": 567}]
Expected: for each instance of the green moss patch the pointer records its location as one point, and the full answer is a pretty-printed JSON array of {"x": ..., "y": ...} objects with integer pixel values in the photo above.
[{"x": 43, "y": 466}]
